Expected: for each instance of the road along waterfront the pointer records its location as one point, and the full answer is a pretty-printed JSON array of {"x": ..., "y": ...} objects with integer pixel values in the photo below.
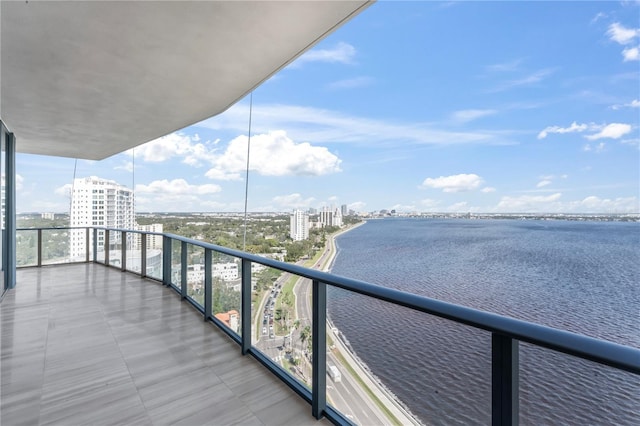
[{"x": 357, "y": 393}]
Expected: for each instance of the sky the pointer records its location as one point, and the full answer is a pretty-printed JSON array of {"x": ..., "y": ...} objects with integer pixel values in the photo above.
[{"x": 413, "y": 106}]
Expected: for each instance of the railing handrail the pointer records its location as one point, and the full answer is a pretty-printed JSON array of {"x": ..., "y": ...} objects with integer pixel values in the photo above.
[
  {"x": 601, "y": 351},
  {"x": 604, "y": 352}
]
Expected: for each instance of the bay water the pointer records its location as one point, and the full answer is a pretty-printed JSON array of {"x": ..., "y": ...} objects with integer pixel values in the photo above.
[{"x": 580, "y": 276}]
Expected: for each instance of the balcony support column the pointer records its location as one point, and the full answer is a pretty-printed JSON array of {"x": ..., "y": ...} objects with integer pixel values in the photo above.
[
  {"x": 123, "y": 252},
  {"x": 504, "y": 380},
  {"x": 166, "y": 260},
  {"x": 87, "y": 243},
  {"x": 107, "y": 246},
  {"x": 39, "y": 247},
  {"x": 10, "y": 209},
  {"x": 143, "y": 255},
  {"x": 183, "y": 270},
  {"x": 95, "y": 245},
  {"x": 245, "y": 308},
  {"x": 319, "y": 348},
  {"x": 208, "y": 296}
]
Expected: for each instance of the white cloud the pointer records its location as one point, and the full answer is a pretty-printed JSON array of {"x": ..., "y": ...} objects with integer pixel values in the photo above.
[
  {"x": 543, "y": 183},
  {"x": 177, "y": 195},
  {"x": 466, "y": 115},
  {"x": 430, "y": 203},
  {"x": 575, "y": 127},
  {"x": 357, "y": 206},
  {"x": 611, "y": 131},
  {"x": 341, "y": 53},
  {"x": 403, "y": 208},
  {"x": 454, "y": 183},
  {"x": 528, "y": 203},
  {"x": 19, "y": 182},
  {"x": 176, "y": 187},
  {"x": 595, "y": 148},
  {"x": 631, "y": 54},
  {"x": 326, "y": 126},
  {"x": 293, "y": 201},
  {"x": 528, "y": 80},
  {"x": 173, "y": 145},
  {"x": 64, "y": 190},
  {"x": 505, "y": 66},
  {"x": 488, "y": 189},
  {"x": 593, "y": 204},
  {"x": 351, "y": 83},
  {"x": 633, "y": 104},
  {"x": 274, "y": 154},
  {"x": 634, "y": 142},
  {"x": 217, "y": 174},
  {"x": 622, "y": 35},
  {"x": 126, "y": 166},
  {"x": 459, "y": 207},
  {"x": 553, "y": 204}
]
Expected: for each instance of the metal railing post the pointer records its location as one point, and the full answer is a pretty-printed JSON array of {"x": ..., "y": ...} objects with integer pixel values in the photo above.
[
  {"x": 143, "y": 255},
  {"x": 87, "y": 243},
  {"x": 166, "y": 260},
  {"x": 123, "y": 251},
  {"x": 39, "y": 247},
  {"x": 95, "y": 245},
  {"x": 319, "y": 347},
  {"x": 183, "y": 269},
  {"x": 107, "y": 243},
  {"x": 208, "y": 294},
  {"x": 245, "y": 306},
  {"x": 504, "y": 380}
]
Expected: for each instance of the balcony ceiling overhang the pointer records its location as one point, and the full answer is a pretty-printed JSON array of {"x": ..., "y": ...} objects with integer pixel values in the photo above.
[{"x": 91, "y": 79}]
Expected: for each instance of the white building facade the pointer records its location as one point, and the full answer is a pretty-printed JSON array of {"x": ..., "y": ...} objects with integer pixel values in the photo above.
[
  {"x": 330, "y": 216},
  {"x": 98, "y": 202},
  {"x": 299, "y": 228}
]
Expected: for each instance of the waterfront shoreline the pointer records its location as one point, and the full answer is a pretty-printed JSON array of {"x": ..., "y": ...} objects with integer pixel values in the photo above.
[{"x": 399, "y": 411}]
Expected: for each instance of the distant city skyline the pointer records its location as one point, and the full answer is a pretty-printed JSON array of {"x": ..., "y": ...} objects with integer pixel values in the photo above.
[{"x": 413, "y": 107}]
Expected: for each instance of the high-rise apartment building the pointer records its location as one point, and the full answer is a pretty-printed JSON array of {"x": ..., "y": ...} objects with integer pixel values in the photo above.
[
  {"x": 98, "y": 202},
  {"x": 344, "y": 210},
  {"x": 299, "y": 225},
  {"x": 330, "y": 216}
]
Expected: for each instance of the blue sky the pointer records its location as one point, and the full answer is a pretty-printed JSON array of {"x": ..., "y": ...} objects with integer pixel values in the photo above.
[{"x": 413, "y": 106}]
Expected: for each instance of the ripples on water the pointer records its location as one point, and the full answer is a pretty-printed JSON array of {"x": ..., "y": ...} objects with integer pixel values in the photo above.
[{"x": 577, "y": 276}]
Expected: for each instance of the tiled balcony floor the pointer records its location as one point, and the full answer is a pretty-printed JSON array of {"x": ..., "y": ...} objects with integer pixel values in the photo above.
[{"x": 86, "y": 344}]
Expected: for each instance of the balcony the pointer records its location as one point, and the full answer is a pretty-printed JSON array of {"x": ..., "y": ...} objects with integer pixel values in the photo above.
[
  {"x": 76, "y": 335},
  {"x": 89, "y": 344}
]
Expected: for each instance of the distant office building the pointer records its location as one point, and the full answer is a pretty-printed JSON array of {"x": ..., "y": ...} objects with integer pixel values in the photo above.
[
  {"x": 330, "y": 216},
  {"x": 312, "y": 210},
  {"x": 299, "y": 229},
  {"x": 343, "y": 210},
  {"x": 154, "y": 242},
  {"x": 47, "y": 216},
  {"x": 99, "y": 202}
]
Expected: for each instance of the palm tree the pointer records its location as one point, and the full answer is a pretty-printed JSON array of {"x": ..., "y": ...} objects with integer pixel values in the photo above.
[{"x": 305, "y": 335}]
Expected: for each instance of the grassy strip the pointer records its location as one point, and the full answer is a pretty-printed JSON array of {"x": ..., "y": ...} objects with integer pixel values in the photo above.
[{"x": 369, "y": 392}]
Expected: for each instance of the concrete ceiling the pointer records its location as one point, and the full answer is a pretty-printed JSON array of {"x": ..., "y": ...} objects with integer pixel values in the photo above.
[{"x": 89, "y": 79}]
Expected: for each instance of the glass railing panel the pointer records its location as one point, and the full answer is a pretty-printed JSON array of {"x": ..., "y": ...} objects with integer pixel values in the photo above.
[
  {"x": 115, "y": 248},
  {"x": 556, "y": 388},
  {"x": 176, "y": 263},
  {"x": 27, "y": 247},
  {"x": 134, "y": 252},
  {"x": 100, "y": 243},
  {"x": 226, "y": 283},
  {"x": 154, "y": 256},
  {"x": 394, "y": 365},
  {"x": 195, "y": 274},
  {"x": 56, "y": 246},
  {"x": 295, "y": 303}
]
